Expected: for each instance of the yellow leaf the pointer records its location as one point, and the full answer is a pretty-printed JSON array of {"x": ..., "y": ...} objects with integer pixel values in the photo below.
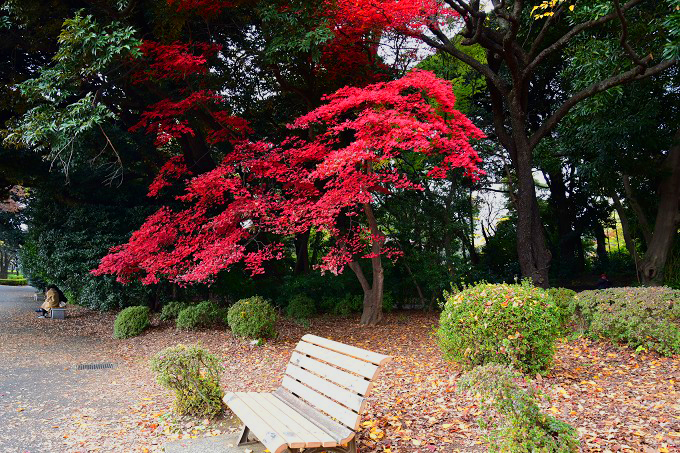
[
  {"x": 447, "y": 425},
  {"x": 416, "y": 442},
  {"x": 571, "y": 7},
  {"x": 554, "y": 410}
]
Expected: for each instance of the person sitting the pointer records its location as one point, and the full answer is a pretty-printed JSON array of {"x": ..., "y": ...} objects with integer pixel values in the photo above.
[
  {"x": 54, "y": 298},
  {"x": 603, "y": 282}
]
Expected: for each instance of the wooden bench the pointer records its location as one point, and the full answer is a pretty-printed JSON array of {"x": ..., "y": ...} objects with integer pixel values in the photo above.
[{"x": 318, "y": 404}]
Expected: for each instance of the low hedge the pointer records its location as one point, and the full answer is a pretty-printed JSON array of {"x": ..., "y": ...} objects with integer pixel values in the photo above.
[
  {"x": 640, "y": 317},
  {"x": 13, "y": 281}
]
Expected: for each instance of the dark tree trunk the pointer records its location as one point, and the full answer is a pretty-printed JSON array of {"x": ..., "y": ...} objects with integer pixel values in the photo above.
[
  {"x": 667, "y": 219},
  {"x": 532, "y": 248},
  {"x": 302, "y": 253},
  {"x": 5, "y": 258},
  {"x": 601, "y": 244}
]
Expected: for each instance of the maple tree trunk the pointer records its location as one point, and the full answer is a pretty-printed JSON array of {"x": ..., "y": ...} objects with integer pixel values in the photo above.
[
  {"x": 372, "y": 312},
  {"x": 667, "y": 220}
]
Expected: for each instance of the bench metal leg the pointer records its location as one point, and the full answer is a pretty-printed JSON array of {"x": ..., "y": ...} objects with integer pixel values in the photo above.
[{"x": 245, "y": 437}]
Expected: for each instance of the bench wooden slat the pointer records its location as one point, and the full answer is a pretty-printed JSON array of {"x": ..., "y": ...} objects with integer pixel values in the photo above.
[
  {"x": 257, "y": 425},
  {"x": 355, "y": 383},
  {"x": 352, "y": 351},
  {"x": 342, "y": 396},
  {"x": 326, "y": 439},
  {"x": 340, "y": 413},
  {"x": 296, "y": 435},
  {"x": 357, "y": 366},
  {"x": 339, "y": 432}
]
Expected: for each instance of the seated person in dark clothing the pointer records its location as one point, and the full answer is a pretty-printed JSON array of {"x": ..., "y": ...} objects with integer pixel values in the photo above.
[{"x": 603, "y": 282}]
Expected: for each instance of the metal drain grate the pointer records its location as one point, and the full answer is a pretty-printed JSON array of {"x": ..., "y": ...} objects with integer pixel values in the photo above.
[{"x": 94, "y": 366}]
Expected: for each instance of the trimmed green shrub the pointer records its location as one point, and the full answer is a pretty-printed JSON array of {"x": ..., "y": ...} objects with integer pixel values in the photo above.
[
  {"x": 13, "y": 281},
  {"x": 565, "y": 302},
  {"x": 253, "y": 318},
  {"x": 510, "y": 324},
  {"x": 131, "y": 321},
  {"x": 349, "y": 304},
  {"x": 641, "y": 317},
  {"x": 514, "y": 419},
  {"x": 205, "y": 314},
  {"x": 301, "y": 308},
  {"x": 171, "y": 310},
  {"x": 193, "y": 374}
]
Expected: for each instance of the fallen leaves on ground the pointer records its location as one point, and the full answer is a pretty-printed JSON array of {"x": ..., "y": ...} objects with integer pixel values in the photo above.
[{"x": 618, "y": 401}]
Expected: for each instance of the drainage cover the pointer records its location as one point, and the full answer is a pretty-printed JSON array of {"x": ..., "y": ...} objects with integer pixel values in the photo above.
[{"x": 95, "y": 366}]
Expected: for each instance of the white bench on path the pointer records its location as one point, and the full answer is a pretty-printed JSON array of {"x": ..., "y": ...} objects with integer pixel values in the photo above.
[{"x": 318, "y": 406}]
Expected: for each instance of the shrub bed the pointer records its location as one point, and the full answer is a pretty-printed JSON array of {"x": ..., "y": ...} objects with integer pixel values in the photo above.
[
  {"x": 520, "y": 426},
  {"x": 205, "y": 314},
  {"x": 509, "y": 324},
  {"x": 565, "y": 301},
  {"x": 193, "y": 374},
  {"x": 301, "y": 308},
  {"x": 253, "y": 318},
  {"x": 13, "y": 281},
  {"x": 171, "y": 310},
  {"x": 131, "y": 321},
  {"x": 640, "y": 317}
]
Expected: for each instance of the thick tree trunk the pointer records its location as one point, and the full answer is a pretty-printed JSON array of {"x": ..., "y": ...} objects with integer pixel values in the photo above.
[
  {"x": 667, "y": 220},
  {"x": 532, "y": 249}
]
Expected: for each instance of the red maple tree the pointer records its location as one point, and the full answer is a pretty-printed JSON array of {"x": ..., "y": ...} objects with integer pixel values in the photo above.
[{"x": 328, "y": 183}]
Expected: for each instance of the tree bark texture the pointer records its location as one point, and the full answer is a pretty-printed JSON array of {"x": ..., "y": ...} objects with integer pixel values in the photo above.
[
  {"x": 667, "y": 219},
  {"x": 372, "y": 312}
]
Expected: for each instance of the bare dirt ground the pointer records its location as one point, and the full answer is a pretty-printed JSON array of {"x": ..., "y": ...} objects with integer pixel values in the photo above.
[{"x": 616, "y": 399}]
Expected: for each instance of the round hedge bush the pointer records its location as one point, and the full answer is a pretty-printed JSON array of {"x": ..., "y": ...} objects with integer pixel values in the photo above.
[
  {"x": 205, "y": 314},
  {"x": 253, "y": 318},
  {"x": 507, "y": 324},
  {"x": 171, "y": 309},
  {"x": 301, "y": 307},
  {"x": 131, "y": 321}
]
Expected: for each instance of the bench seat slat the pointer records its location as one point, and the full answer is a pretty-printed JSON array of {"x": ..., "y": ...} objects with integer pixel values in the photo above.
[
  {"x": 296, "y": 435},
  {"x": 357, "y": 366},
  {"x": 339, "y": 432},
  {"x": 271, "y": 439},
  {"x": 342, "y": 414},
  {"x": 355, "y": 383},
  {"x": 352, "y": 351},
  {"x": 339, "y": 394},
  {"x": 326, "y": 439}
]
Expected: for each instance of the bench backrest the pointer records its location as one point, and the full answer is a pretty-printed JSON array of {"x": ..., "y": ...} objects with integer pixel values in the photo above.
[{"x": 332, "y": 377}]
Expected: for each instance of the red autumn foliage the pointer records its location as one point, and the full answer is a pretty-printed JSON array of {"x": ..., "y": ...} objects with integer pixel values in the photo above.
[{"x": 262, "y": 188}]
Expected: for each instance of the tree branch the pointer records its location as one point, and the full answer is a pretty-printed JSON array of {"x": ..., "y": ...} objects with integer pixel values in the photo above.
[
  {"x": 573, "y": 32},
  {"x": 636, "y": 73},
  {"x": 624, "y": 37},
  {"x": 447, "y": 46}
]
